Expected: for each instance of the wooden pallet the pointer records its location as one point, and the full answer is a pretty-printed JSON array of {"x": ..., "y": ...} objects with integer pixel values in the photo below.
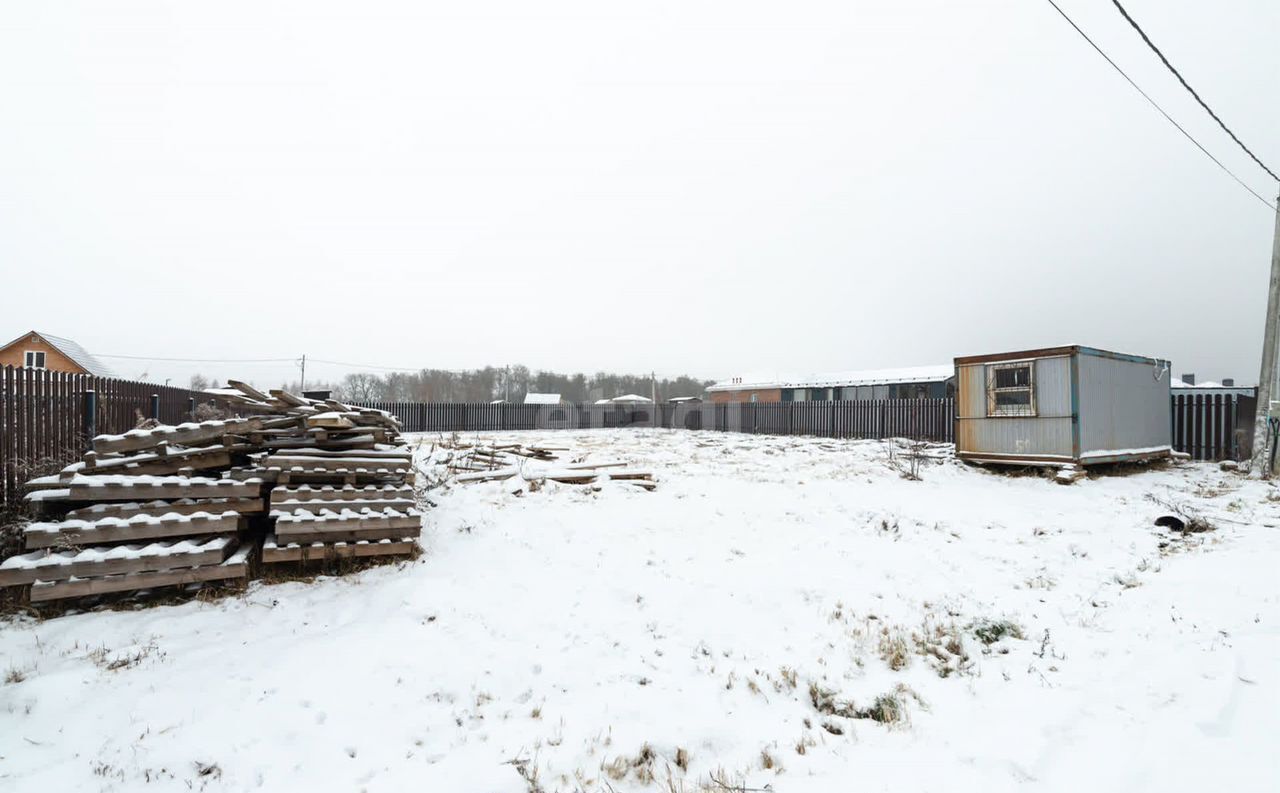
[
  {"x": 300, "y": 475},
  {"x": 318, "y": 505},
  {"x": 341, "y": 493},
  {"x": 67, "y": 533},
  {"x": 234, "y": 568},
  {"x": 148, "y": 488},
  {"x": 273, "y": 551},
  {"x": 346, "y": 525},
  {"x": 356, "y": 476},
  {"x": 51, "y": 565},
  {"x": 398, "y": 455},
  {"x": 179, "y": 506},
  {"x": 390, "y": 466}
]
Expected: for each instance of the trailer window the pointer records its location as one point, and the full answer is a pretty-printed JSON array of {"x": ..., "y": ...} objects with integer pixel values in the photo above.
[{"x": 1011, "y": 389}]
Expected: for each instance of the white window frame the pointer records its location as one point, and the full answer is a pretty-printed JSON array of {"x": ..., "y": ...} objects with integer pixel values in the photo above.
[
  {"x": 29, "y": 359},
  {"x": 996, "y": 411}
]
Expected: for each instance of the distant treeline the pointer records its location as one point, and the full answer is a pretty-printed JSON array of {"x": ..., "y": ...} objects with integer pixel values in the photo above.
[{"x": 488, "y": 384}]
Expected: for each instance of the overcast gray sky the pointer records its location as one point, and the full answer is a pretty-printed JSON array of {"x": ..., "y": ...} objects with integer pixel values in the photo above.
[{"x": 710, "y": 187}]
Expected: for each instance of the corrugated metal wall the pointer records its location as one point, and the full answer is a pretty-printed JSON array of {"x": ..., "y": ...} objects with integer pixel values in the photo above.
[
  {"x": 1123, "y": 405},
  {"x": 1046, "y": 434}
]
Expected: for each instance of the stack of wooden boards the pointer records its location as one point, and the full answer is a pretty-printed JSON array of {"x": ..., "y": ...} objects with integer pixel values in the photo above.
[
  {"x": 299, "y": 479},
  {"x": 501, "y": 462}
]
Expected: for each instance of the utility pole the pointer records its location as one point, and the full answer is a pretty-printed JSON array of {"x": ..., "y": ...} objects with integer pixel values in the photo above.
[
  {"x": 506, "y": 384},
  {"x": 1261, "y": 464},
  {"x": 653, "y": 383},
  {"x": 302, "y": 386}
]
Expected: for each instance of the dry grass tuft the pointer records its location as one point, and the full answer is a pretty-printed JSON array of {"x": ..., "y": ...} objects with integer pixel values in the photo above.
[{"x": 894, "y": 649}]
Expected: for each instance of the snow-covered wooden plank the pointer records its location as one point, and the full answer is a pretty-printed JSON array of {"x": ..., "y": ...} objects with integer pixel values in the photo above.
[
  {"x": 340, "y": 493},
  {"x": 343, "y": 515},
  {"x": 180, "y": 506},
  {"x": 287, "y": 398},
  {"x": 334, "y": 462},
  {"x": 333, "y": 526},
  {"x": 350, "y": 476},
  {"x": 332, "y": 420},
  {"x": 399, "y": 453},
  {"x": 235, "y": 567},
  {"x": 575, "y": 475},
  {"x": 53, "y": 565},
  {"x": 589, "y": 466},
  {"x": 151, "y": 464},
  {"x": 63, "y": 533},
  {"x": 188, "y": 434},
  {"x": 273, "y": 550},
  {"x": 325, "y": 533},
  {"x": 497, "y": 474},
  {"x": 146, "y": 487},
  {"x": 337, "y": 505}
]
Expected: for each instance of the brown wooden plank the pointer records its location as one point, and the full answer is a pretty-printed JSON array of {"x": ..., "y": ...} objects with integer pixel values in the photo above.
[
  {"x": 83, "y": 565},
  {"x": 82, "y": 489},
  {"x": 234, "y": 568},
  {"x": 331, "y": 493},
  {"x": 183, "y": 506},
  {"x": 347, "y": 535},
  {"x": 111, "y": 530},
  {"x": 273, "y": 552}
]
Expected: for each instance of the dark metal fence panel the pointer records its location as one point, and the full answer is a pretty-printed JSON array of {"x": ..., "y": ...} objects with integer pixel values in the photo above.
[
  {"x": 1213, "y": 426},
  {"x": 43, "y": 421},
  {"x": 922, "y": 419},
  {"x": 1208, "y": 427}
]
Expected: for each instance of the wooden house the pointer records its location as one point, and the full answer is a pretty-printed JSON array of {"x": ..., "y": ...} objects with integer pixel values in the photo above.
[{"x": 36, "y": 350}]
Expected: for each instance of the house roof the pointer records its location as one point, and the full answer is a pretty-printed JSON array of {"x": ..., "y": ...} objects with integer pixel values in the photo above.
[
  {"x": 73, "y": 351},
  {"x": 541, "y": 399},
  {"x": 1209, "y": 385},
  {"x": 906, "y": 374}
]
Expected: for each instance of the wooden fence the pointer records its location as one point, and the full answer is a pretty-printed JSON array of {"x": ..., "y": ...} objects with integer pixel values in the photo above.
[
  {"x": 44, "y": 416},
  {"x": 1213, "y": 426}
]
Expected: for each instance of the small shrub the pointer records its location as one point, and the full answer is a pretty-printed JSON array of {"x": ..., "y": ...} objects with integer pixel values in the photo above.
[
  {"x": 887, "y": 709},
  {"x": 991, "y": 631}
]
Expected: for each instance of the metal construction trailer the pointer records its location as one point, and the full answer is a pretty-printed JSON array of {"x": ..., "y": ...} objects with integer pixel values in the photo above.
[{"x": 1062, "y": 406}]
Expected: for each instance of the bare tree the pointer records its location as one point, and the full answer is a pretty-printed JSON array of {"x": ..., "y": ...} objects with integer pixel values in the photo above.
[{"x": 362, "y": 387}]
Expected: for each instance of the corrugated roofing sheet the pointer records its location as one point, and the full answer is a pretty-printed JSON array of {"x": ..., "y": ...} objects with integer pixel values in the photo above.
[{"x": 907, "y": 374}]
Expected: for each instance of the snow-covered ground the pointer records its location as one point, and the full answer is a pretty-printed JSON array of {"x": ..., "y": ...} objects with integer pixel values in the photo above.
[{"x": 747, "y": 622}]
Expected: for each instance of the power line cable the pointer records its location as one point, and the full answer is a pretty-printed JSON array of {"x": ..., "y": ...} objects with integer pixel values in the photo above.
[
  {"x": 1192, "y": 91},
  {"x": 389, "y": 368},
  {"x": 197, "y": 360},
  {"x": 1147, "y": 97}
]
